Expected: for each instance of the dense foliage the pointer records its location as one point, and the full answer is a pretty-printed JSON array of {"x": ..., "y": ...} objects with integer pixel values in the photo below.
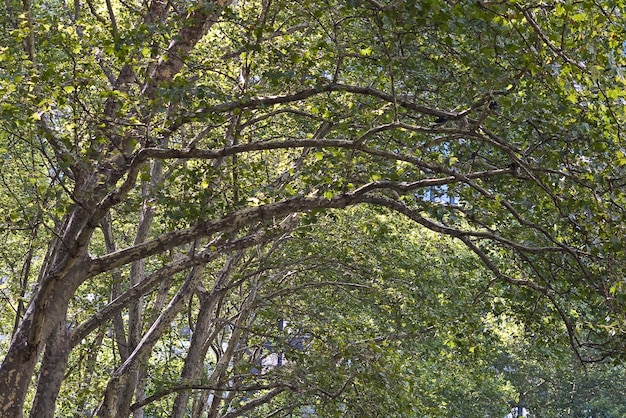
[{"x": 312, "y": 208}]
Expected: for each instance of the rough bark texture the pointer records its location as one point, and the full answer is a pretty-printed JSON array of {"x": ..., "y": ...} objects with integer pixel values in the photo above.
[
  {"x": 18, "y": 367},
  {"x": 114, "y": 405}
]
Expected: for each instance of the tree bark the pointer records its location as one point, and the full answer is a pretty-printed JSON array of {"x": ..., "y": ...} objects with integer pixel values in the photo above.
[
  {"x": 123, "y": 374},
  {"x": 70, "y": 265},
  {"x": 52, "y": 370},
  {"x": 40, "y": 319},
  {"x": 135, "y": 311},
  {"x": 193, "y": 366}
]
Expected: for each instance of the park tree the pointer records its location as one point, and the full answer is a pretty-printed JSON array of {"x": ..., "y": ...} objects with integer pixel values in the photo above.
[{"x": 161, "y": 161}]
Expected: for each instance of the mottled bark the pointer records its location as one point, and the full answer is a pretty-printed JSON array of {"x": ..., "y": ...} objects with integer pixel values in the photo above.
[
  {"x": 52, "y": 370},
  {"x": 213, "y": 250},
  {"x": 108, "y": 407},
  {"x": 15, "y": 375},
  {"x": 125, "y": 373},
  {"x": 40, "y": 320},
  {"x": 95, "y": 189}
]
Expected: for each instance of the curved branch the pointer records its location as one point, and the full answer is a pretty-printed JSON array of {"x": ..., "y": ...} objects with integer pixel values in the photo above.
[
  {"x": 558, "y": 51},
  {"x": 248, "y": 216},
  {"x": 261, "y": 102},
  {"x": 229, "y": 222},
  {"x": 571, "y": 332},
  {"x": 455, "y": 232},
  {"x": 257, "y": 402}
]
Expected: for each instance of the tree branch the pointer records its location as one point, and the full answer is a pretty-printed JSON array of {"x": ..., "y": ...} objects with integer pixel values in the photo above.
[
  {"x": 211, "y": 252},
  {"x": 558, "y": 51},
  {"x": 179, "y": 388},
  {"x": 229, "y": 222},
  {"x": 455, "y": 232},
  {"x": 261, "y": 102}
]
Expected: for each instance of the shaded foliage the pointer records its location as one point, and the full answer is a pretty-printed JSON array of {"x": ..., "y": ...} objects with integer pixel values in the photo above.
[{"x": 173, "y": 180}]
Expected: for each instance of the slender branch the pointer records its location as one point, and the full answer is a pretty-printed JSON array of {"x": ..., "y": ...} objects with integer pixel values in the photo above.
[
  {"x": 261, "y": 102},
  {"x": 571, "y": 332},
  {"x": 296, "y": 112},
  {"x": 544, "y": 38},
  {"x": 455, "y": 232},
  {"x": 179, "y": 388},
  {"x": 496, "y": 271},
  {"x": 256, "y": 403},
  {"x": 114, "y": 30}
]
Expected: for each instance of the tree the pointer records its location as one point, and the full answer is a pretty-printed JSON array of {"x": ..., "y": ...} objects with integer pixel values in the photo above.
[{"x": 163, "y": 137}]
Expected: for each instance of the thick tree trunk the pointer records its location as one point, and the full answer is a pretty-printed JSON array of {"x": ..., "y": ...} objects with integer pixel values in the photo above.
[
  {"x": 108, "y": 408},
  {"x": 18, "y": 367},
  {"x": 15, "y": 374},
  {"x": 52, "y": 370},
  {"x": 45, "y": 312},
  {"x": 70, "y": 264},
  {"x": 126, "y": 393},
  {"x": 39, "y": 321}
]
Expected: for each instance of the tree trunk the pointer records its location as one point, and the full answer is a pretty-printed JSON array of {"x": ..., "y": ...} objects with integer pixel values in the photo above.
[
  {"x": 197, "y": 349},
  {"x": 194, "y": 366},
  {"x": 52, "y": 371},
  {"x": 40, "y": 320},
  {"x": 46, "y": 311},
  {"x": 19, "y": 364},
  {"x": 16, "y": 372}
]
